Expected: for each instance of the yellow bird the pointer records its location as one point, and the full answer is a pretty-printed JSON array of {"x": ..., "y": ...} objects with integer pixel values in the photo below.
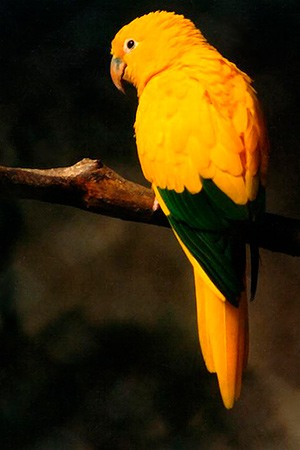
[{"x": 202, "y": 144}]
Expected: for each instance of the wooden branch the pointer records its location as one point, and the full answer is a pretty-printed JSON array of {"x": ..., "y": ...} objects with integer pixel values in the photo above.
[
  {"x": 88, "y": 185},
  {"x": 92, "y": 186}
]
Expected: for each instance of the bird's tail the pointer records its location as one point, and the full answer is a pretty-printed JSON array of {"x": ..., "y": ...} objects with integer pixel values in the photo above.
[{"x": 223, "y": 334}]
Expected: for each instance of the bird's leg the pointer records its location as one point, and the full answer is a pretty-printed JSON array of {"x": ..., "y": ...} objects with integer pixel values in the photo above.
[{"x": 156, "y": 204}]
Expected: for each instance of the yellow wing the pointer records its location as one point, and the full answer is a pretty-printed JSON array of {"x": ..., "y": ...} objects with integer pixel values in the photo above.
[{"x": 188, "y": 126}]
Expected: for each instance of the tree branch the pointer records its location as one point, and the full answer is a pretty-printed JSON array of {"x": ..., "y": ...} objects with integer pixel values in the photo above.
[
  {"x": 92, "y": 186},
  {"x": 88, "y": 185}
]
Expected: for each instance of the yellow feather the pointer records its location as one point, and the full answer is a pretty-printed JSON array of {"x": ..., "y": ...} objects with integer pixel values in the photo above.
[
  {"x": 199, "y": 156},
  {"x": 223, "y": 335},
  {"x": 240, "y": 117},
  {"x": 204, "y": 115},
  {"x": 203, "y": 323},
  {"x": 251, "y": 137},
  {"x": 252, "y": 163},
  {"x": 209, "y": 172},
  {"x": 227, "y": 160},
  {"x": 227, "y": 134},
  {"x": 232, "y": 186}
]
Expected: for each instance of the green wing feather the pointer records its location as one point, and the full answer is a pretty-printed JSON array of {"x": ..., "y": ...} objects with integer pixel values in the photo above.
[{"x": 210, "y": 225}]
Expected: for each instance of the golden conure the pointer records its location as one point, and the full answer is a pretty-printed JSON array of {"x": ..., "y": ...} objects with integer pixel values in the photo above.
[{"x": 202, "y": 144}]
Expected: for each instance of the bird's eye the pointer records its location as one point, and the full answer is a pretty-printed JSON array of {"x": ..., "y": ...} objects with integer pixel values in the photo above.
[{"x": 129, "y": 45}]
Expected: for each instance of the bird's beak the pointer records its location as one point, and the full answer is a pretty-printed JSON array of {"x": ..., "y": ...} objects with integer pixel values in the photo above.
[{"x": 117, "y": 68}]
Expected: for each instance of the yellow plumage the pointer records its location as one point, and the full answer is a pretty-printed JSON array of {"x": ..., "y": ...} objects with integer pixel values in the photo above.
[
  {"x": 198, "y": 122},
  {"x": 225, "y": 351}
]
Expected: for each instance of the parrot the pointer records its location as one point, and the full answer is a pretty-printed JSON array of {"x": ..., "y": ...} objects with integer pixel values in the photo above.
[{"x": 202, "y": 144}]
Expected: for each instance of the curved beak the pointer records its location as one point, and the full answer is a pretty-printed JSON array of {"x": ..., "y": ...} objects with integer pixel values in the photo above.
[{"x": 117, "y": 68}]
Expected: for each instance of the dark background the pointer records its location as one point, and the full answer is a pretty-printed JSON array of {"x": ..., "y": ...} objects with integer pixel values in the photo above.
[{"x": 98, "y": 338}]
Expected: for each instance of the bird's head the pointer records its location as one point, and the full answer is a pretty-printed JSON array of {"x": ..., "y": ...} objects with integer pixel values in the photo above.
[{"x": 149, "y": 45}]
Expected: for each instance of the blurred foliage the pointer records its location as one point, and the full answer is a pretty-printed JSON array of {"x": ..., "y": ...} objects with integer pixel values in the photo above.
[{"x": 98, "y": 333}]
